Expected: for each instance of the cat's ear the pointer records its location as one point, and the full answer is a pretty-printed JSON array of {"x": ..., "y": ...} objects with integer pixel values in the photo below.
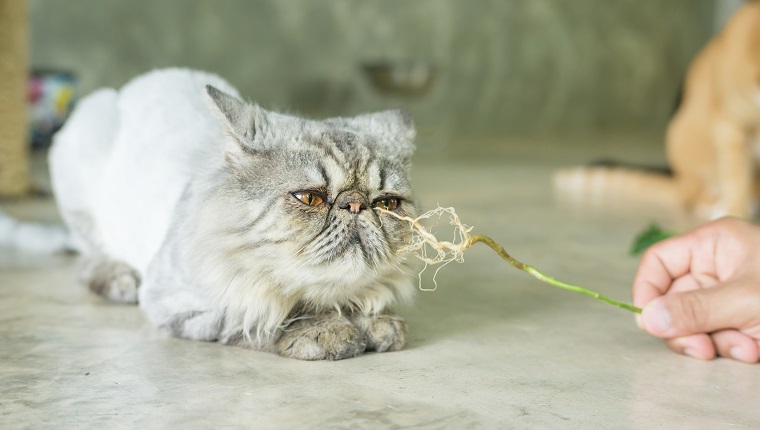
[
  {"x": 396, "y": 126},
  {"x": 241, "y": 121}
]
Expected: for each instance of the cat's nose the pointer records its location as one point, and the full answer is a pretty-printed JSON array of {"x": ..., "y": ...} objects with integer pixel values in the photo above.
[
  {"x": 355, "y": 207},
  {"x": 353, "y": 202}
]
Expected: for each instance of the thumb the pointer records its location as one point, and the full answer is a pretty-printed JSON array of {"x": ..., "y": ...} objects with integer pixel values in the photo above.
[{"x": 692, "y": 312}]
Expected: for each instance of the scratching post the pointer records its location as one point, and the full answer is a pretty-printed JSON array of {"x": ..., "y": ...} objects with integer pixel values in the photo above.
[{"x": 14, "y": 148}]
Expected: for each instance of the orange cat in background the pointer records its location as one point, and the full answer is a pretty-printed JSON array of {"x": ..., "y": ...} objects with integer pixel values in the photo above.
[{"x": 713, "y": 141}]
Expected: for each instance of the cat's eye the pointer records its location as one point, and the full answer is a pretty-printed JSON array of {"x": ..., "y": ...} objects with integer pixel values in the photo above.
[
  {"x": 309, "y": 198},
  {"x": 387, "y": 203}
]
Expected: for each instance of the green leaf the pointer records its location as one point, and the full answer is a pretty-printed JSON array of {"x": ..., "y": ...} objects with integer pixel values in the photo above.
[{"x": 649, "y": 237}]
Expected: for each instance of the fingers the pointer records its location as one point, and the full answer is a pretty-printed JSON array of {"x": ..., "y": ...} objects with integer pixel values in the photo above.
[
  {"x": 736, "y": 345},
  {"x": 685, "y": 318},
  {"x": 660, "y": 265},
  {"x": 701, "y": 291},
  {"x": 725, "y": 343},
  {"x": 714, "y": 250},
  {"x": 698, "y": 346},
  {"x": 698, "y": 311}
]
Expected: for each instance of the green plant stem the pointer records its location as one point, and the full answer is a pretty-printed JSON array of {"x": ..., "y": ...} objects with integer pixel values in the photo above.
[{"x": 547, "y": 279}]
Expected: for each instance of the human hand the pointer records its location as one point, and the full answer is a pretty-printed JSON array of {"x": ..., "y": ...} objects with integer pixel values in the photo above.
[{"x": 700, "y": 291}]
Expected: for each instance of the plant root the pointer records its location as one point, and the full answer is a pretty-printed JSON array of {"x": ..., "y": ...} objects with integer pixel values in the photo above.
[{"x": 426, "y": 246}]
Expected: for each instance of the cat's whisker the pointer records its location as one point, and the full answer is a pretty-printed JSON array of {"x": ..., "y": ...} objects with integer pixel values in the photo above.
[{"x": 300, "y": 262}]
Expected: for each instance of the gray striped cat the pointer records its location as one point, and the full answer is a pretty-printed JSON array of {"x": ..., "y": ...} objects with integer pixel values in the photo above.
[{"x": 234, "y": 224}]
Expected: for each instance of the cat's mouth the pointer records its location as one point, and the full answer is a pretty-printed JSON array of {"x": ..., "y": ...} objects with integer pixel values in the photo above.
[
  {"x": 346, "y": 236},
  {"x": 360, "y": 239}
]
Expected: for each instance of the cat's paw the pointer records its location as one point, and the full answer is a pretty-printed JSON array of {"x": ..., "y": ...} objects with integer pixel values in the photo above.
[
  {"x": 321, "y": 338},
  {"x": 383, "y": 332},
  {"x": 114, "y": 280}
]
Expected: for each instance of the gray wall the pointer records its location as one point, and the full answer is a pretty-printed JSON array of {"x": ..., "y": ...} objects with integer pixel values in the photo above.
[{"x": 506, "y": 67}]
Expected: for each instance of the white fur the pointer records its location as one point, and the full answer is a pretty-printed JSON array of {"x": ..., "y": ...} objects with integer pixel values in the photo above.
[{"x": 106, "y": 163}]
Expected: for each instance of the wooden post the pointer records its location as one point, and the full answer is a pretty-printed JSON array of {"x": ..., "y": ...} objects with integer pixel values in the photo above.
[{"x": 14, "y": 135}]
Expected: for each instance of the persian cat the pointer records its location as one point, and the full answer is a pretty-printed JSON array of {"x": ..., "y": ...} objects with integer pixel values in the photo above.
[{"x": 234, "y": 224}]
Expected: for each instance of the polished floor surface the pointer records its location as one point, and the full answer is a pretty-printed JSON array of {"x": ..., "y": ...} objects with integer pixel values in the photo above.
[{"x": 490, "y": 348}]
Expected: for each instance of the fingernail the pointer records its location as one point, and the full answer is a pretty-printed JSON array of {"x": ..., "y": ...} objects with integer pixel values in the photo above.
[
  {"x": 691, "y": 353},
  {"x": 657, "y": 314},
  {"x": 737, "y": 353},
  {"x": 638, "y": 321}
]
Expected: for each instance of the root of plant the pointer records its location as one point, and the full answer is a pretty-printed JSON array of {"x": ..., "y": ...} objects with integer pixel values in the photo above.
[{"x": 434, "y": 252}]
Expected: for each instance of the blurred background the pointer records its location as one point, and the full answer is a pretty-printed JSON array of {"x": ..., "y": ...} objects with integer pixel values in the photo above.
[
  {"x": 503, "y": 92},
  {"x": 472, "y": 73}
]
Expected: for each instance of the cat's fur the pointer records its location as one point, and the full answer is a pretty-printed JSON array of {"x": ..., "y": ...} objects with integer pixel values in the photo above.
[
  {"x": 181, "y": 196},
  {"x": 712, "y": 142}
]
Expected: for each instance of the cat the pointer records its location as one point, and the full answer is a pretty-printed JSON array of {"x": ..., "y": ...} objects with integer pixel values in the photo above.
[
  {"x": 712, "y": 142},
  {"x": 234, "y": 224}
]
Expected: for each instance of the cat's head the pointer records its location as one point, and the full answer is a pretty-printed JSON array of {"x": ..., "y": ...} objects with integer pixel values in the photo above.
[{"x": 297, "y": 201}]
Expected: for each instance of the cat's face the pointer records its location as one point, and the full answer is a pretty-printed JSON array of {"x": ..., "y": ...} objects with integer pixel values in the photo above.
[
  {"x": 320, "y": 203},
  {"x": 303, "y": 196}
]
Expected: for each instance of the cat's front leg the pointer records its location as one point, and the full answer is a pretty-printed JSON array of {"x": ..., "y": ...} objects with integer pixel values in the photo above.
[
  {"x": 735, "y": 169},
  {"x": 384, "y": 332},
  {"x": 114, "y": 280},
  {"x": 321, "y": 337}
]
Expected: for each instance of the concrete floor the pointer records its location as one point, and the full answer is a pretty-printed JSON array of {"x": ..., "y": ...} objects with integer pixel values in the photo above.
[{"x": 491, "y": 348}]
